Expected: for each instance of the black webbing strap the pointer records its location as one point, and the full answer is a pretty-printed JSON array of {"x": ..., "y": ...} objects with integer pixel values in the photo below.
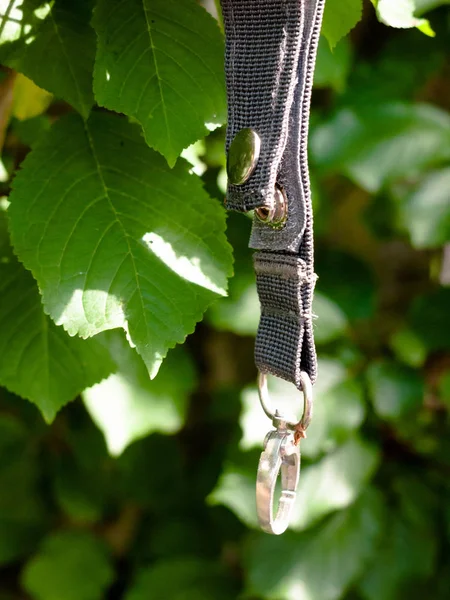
[{"x": 270, "y": 54}]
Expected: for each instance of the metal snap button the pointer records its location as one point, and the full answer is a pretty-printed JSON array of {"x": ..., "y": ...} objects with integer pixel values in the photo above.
[
  {"x": 243, "y": 156},
  {"x": 277, "y": 215}
]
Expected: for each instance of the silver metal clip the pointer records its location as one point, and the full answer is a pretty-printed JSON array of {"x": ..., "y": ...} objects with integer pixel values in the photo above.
[{"x": 281, "y": 452}]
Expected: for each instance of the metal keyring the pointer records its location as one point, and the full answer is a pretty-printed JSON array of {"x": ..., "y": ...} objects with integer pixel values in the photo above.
[{"x": 273, "y": 415}]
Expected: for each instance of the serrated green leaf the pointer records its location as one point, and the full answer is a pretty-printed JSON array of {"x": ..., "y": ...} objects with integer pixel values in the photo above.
[
  {"x": 320, "y": 564},
  {"x": 38, "y": 360},
  {"x": 30, "y": 28},
  {"x": 426, "y": 211},
  {"x": 72, "y": 565},
  {"x": 161, "y": 62},
  {"x": 339, "y": 18},
  {"x": 395, "y": 389},
  {"x": 115, "y": 238},
  {"x": 379, "y": 144},
  {"x": 400, "y": 14},
  {"x": 128, "y": 406}
]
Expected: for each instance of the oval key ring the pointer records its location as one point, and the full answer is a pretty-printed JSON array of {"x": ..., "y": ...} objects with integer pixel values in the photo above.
[
  {"x": 264, "y": 398},
  {"x": 281, "y": 452}
]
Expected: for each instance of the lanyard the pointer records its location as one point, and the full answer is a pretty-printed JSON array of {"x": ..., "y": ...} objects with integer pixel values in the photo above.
[{"x": 270, "y": 55}]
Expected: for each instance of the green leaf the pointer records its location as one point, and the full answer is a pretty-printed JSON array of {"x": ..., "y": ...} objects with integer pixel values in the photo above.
[
  {"x": 334, "y": 482},
  {"x": 240, "y": 312},
  {"x": 354, "y": 294},
  {"x": 396, "y": 390},
  {"x": 423, "y": 6},
  {"x": 128, "y": 406},
  {"x": 30, "y": 28},
  {"x": 401, "y": 562},
  {"x": 379, "y": 144},
  {"x": 444, "y": 389},
  {"x": 429, "y": 319},
  {"x": 147, "y": 483},
  {"x": 408, "y": 347},
  {"x": 325, "y": 486},
  {"x": 400, "y": 13},
  {"x": 38, "y": 360},
  {"x": 161, "y": 62},
  {"x": 320, "y": 564},
  {"x": 115, "y": 238},
  {"x": 426, "y": 212},
  {"x": 72, "y": 565},
  {"x": 339, "y": 18},
  {"x": 184, "y": 578},
  {"x": 331, "y": 321},
  {"x": 332, "y": 66},
  {"x": 31, "y": 130},
  {"x": 22, "y": 515},
  {"x": 83, "y": 476},
  {"x": 29, "y": 100},
  {"x": 339, "y": 410}
]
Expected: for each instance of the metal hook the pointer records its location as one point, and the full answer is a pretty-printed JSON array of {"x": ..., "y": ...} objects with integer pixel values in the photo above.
[{"x": 281, "y": 453}]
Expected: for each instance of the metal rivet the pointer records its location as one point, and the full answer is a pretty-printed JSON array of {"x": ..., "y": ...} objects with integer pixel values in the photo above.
[
  {"x": 243, "y": 156},
  {"x": 276, "y": 215}
]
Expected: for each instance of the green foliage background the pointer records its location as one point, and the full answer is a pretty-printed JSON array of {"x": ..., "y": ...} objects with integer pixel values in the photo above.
[{"x": 114, "y": 485}]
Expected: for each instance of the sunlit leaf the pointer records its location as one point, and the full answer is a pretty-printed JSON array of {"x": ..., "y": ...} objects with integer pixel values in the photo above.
[
  {"x": 128, "y": 405},
  {"x": 29, "y": 99},
  {"x": 400, "y": 13},
  {"x": 160, "y": 61},
  {"x": 340, "y": 16},
  {"x": 115, "y": 238}
]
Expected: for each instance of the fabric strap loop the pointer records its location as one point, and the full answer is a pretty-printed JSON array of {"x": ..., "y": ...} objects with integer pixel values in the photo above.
[{"x": 270, "y": 55}]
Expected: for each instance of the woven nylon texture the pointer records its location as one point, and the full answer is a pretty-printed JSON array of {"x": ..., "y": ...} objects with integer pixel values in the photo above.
[
  {"x": 270, "y": 55},
  {"x": 262, "y": 52}
]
